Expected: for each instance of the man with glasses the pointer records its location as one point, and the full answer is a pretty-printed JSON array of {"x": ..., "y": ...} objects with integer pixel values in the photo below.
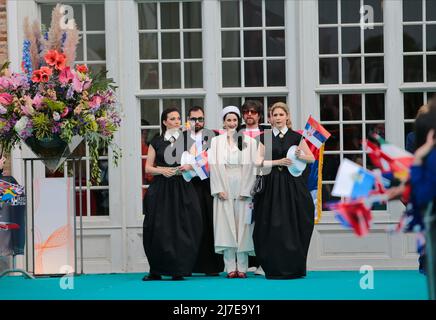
[
  {"x": 198, "y": 140},
  {"x": 252, "y": 113}
]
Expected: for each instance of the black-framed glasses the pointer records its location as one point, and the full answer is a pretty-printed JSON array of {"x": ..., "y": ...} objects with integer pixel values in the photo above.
[
  {"x": 253, "y": 112},
  {"x": 199, "y": 119}
]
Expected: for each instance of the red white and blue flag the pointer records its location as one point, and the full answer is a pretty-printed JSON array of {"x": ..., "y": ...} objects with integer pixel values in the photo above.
[
  {"x": 315, "y": 132},
  {"x": 201, "y": 166}
]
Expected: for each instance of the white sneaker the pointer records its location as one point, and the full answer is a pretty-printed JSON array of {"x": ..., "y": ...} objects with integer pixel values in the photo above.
[{"x": 259, "y": 271}]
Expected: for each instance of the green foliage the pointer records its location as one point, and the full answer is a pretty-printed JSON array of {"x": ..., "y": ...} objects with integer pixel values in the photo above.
[
  {"x": 57, "y": 106},
  {"x": 41, "y": 126}
]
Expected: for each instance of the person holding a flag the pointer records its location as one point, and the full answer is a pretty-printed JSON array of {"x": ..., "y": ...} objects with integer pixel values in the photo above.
[
  {"x": 232, "y": 175},
  {"x": 198, "y": 142},
  {"x": 172, "y": 225},
  {"x": 283, "y": 212},
  {"x": 423, "y": 186}
]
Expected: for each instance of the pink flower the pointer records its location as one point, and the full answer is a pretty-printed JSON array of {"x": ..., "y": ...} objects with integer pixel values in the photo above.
[
  {"x": 95, "y": 102},
  {"x": 51, "y": 57},
  {"x": 64, "y": 113},
  {"x": 60, "y": 61},
  {"x": 37, "y": 101},
  {"x": 27, "y": 109},
  {"x": 4, "y": 83},
  {"x": 82, "y": 68},
  {"x": 66, "y": 75},
  {"x": 6, "y": 99}
]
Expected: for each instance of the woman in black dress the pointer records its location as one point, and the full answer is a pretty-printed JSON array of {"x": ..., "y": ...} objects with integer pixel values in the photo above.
[
  {"x": 172, "y": 223},
  {"x": 284, "y": 210}
]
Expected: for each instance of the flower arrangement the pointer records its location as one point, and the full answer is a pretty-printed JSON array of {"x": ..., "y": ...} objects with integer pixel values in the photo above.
[{"x": 53, "y": 98}]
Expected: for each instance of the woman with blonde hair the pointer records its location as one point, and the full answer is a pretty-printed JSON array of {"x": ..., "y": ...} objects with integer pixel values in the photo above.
[{"x": 283, "y": 212}]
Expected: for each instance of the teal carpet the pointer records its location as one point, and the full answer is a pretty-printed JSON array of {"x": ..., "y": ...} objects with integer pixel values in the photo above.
[{"x": 319, "y": 285}]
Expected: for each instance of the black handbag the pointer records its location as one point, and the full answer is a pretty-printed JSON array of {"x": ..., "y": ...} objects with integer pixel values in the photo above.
[{"x": 259, "y": 185}]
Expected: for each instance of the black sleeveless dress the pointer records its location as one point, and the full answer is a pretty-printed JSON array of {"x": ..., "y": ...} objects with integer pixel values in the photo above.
[
  {"x": 172, "y": 226},
  {"x": 283, "y": 216}
]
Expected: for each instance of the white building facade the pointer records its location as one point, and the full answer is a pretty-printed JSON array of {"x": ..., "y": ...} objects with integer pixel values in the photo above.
[{"x": 355, "y": 76}]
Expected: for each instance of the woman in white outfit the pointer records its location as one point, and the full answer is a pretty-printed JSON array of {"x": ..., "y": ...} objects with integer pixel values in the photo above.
[{"x": 232, "y": 175}]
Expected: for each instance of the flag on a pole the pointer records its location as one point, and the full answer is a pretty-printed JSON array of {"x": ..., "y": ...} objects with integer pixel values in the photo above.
[
  {"x": 353, "y": 181},
  {"x": 315, "y": 132}
]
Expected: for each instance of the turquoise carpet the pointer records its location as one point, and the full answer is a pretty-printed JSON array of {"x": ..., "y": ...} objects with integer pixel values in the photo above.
[{"x": 319, "y": 285}]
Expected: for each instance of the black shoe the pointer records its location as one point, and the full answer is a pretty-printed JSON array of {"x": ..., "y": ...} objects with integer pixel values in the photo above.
[
  {"x": 178, "y": 278},
  {"x": 152, "y": 277}
]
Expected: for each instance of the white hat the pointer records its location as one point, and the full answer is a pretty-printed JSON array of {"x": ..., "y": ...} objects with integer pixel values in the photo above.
[{"x": 229, "y": 109}]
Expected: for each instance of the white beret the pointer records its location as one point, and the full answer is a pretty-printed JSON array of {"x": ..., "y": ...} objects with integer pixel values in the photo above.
[{"x": 229, "y": 109}]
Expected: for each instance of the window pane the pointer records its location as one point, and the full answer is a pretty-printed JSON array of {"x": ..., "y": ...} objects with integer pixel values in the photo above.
[
  {"x": 274, "y": 11},
  {"x": 412, "y": 38},
  {"x": 330, "y": 167},
  {"x": 149, "y": 74},
  {"x": 272, "y": 100},
  {"x": 253, "y": 43},
  {"x": 408, "y": 128},
  {"x": 148, "y": 46},
  {"x": 232, "y": 101},
  {"x": 191, "y": 15},
  {"x": 96, "y": 46},
  {"x": 431, "y": 68},
  {"x": 231, "y": 74},
  {"x": 351, "y": 70},
  {"x": 375, "y": 106},
  {"x": 229, "y": 14},
  {"x": 374, "y": 40},
  {"x": 171, "y": 45},
  {"x": 147, "y": 16},
  {"x": 230, "y": 44},
  {"x": 350, "y": 11},
  {"x": 192, "y": 45},
  {"x": 254, "y": 73},
  {"x": 328, "y": 40},
  {"x": 276, "y": 70},
  {"x": 413, "y": 69},
  {"x": 431, "y": 37},
  {"x": 356, "y": 158},
  {"x": 46, "y": 10},
  {"x": 431, "y": 10},
  {"x": 189, "y": 103},
  {"x": 193, "y": 74},
  {"x": 329, "y": 104},
  {"x": 172, "y": 103},
  {"x": 351, "y": 107},
  {"x": 150, "y": 112},
  {"x": 328, "y": 11},
  {"x": 412, "y": 10},
  {"x": 412, "y": 102},
  {"x": 252, "y": 10},
  {"x": 374, "y": 70},
  {"x": 99, "y": 202},
  {"x": 275, "y": 43},
  {"x": 104, "y": 167},
  {"x": 95, "y": 17},
  {"x": 351, "y": 40},
  {"x": 332, "y": 143},
  {"x": 171, "y": 75},
  {"x": 327, "y": 194},
  {"x": 375, "y": 128},
  {"x": 169, "y": 15},
  {"x": 328, "y": 70},
  {"x": 352, "y": 136},
  {"x": 96, "y": 68},
  {"x": 377, "y": 5}
]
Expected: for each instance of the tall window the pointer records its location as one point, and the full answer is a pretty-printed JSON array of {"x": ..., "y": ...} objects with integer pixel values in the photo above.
[
  {"x": 350, "y": 56},
  {"x": 170, "y": 45},
  {"x": 90, "y": 20},
  {"x": 419, "y": 40},
  {"x": 253, "y": 49},
  {"x": 412, "y": 102},
  {"x": 170, "y": 60}
]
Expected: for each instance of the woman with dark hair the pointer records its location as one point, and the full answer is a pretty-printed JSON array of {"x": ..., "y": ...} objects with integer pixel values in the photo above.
[
  {"x": 283, "y": 212},
  {"x": 232, "y": 175},
  {"x": 172, "y": 223},
  {"x": 423, "y": 183}
]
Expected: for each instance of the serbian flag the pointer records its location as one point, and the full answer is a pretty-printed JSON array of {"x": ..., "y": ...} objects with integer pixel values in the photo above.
[
  {"x": 354, "y": 214},
  {"x": 315, "y": 133},
  {"x": 353, "y": 181},
  {"x": 201, "y": 166}
]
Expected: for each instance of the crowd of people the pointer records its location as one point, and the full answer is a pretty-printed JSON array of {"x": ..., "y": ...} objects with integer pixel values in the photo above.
[{"x": 219, "y": 223}]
